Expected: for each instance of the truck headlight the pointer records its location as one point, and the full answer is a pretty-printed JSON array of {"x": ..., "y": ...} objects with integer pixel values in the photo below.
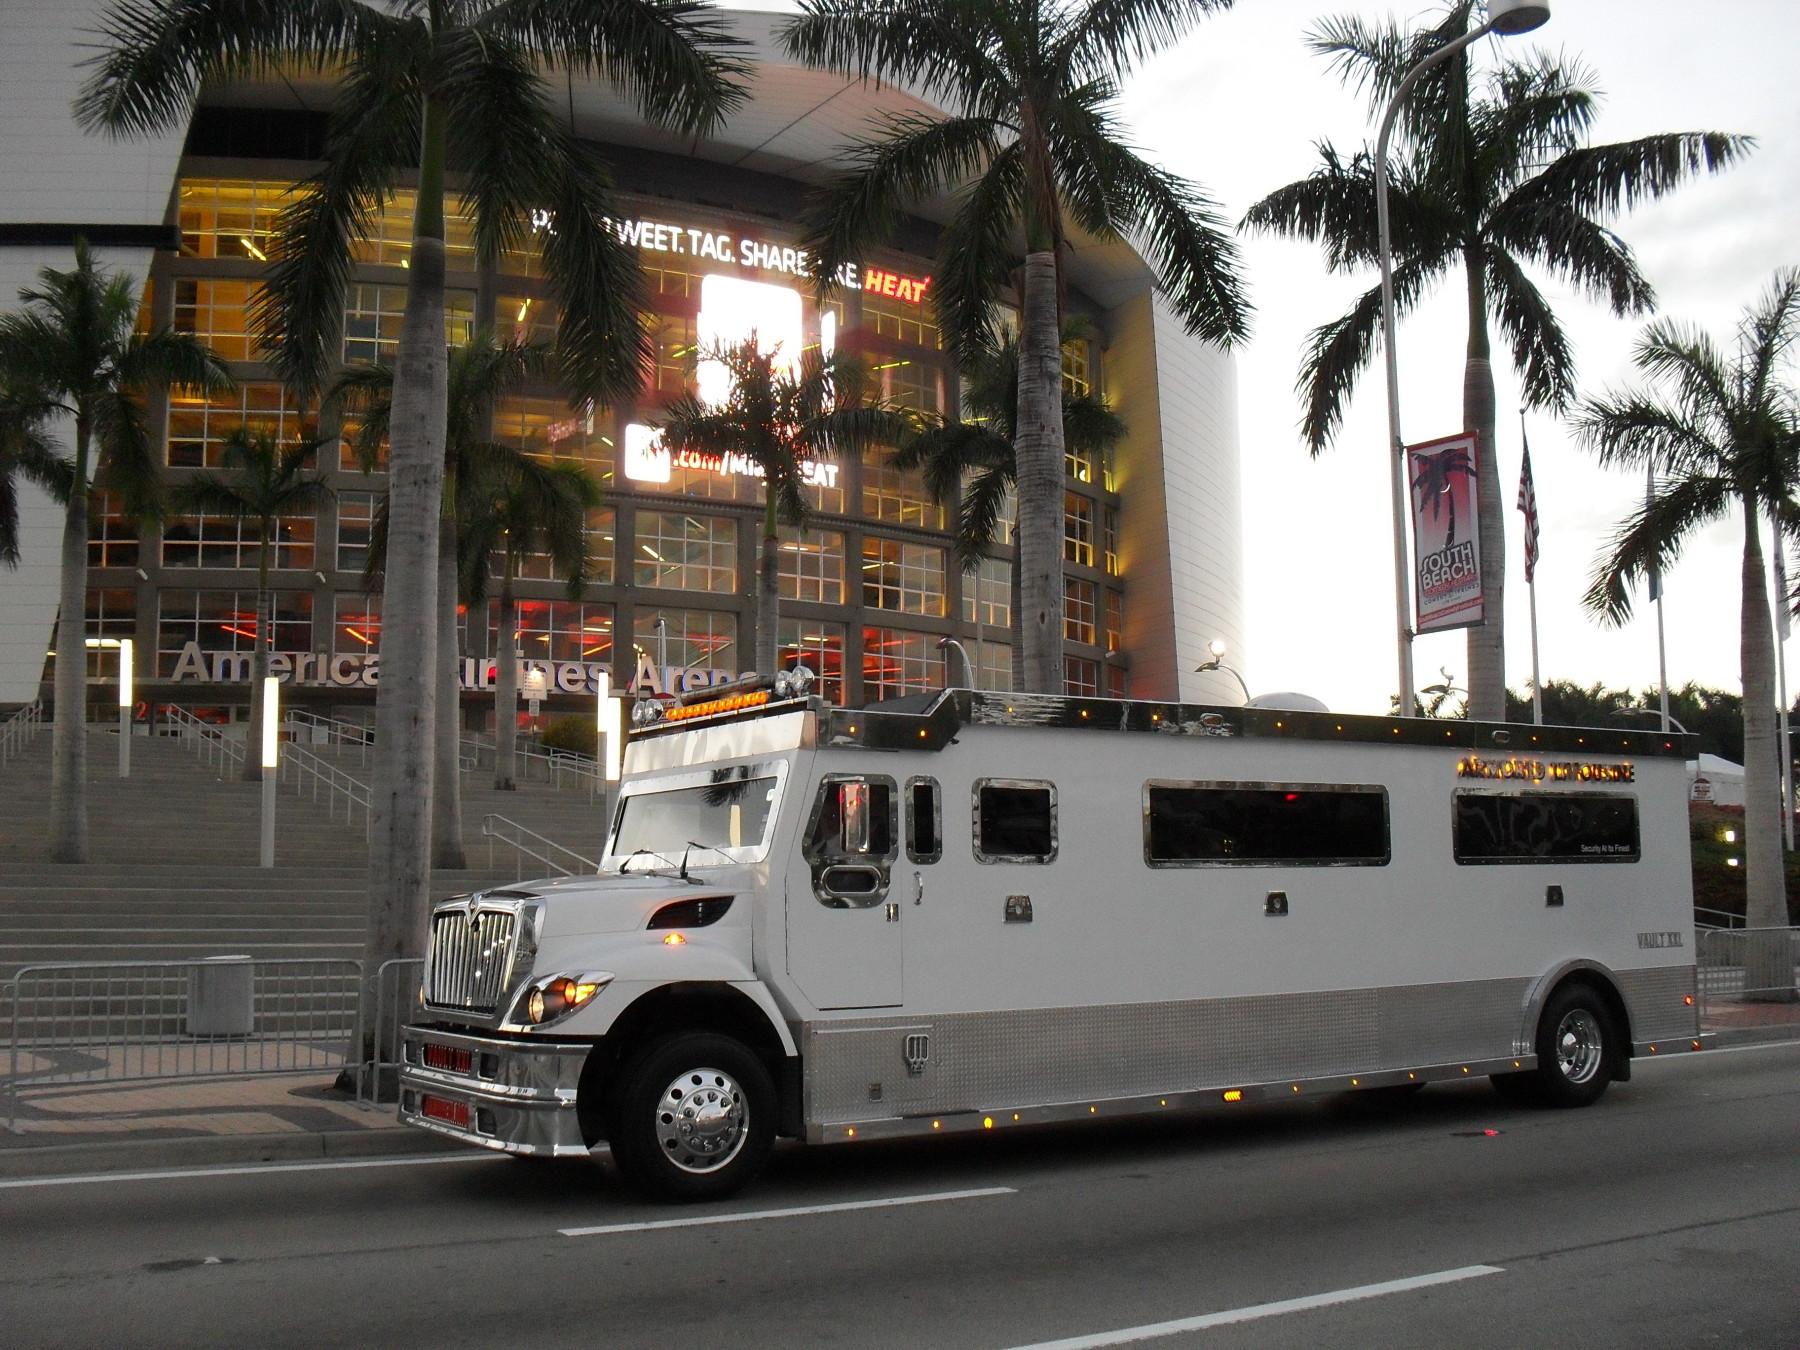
[{"x": 550, "y": 997}]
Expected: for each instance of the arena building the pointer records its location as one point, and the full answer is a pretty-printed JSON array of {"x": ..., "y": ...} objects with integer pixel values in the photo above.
[{"x": 1152, "y": 535}]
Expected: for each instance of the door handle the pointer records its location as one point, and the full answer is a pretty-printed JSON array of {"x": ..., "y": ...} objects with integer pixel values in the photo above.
[{"x": 918, "y": 888}]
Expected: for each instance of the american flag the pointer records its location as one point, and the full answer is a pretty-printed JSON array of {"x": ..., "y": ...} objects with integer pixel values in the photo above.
[{"x": 1528, "y": 506}]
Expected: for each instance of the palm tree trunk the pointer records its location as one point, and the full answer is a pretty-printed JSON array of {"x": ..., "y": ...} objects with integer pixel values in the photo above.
[
  {"x": 1768, "y": 962},
  {"x": 265, "y": 642},
  {"x": 768, "y": 593},
  {"x": 406, "y": 694},
  {"x": 506, "y": 688},
  {"x": 1039, "y": 447},
  {"x": 446, "y": 782},
  {"x": 1487, "y": 642},
  {"x": 68, "y": 741}
]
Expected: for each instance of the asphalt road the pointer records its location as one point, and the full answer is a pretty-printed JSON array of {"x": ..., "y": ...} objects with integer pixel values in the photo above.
[{"x": 1666, "y": 1216}]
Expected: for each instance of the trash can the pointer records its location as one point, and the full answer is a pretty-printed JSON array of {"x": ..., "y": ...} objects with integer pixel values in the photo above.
[{"x": 222, "y": 996}]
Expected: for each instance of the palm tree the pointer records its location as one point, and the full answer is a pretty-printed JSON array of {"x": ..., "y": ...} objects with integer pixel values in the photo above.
[
  {"x": 73, "y": 350},
  {"x": 970, "y": 461},
  {"x": 27, "y": 454},
  {"x": 780, "y": 418},
  {"x": 1032, "y": 147},
  {"x": 433, "y": 87},
  {"x": 481, "y": 371},
  {"x": 1490, "y": 175},
  {"x": 272, "y": 482},
  {"x": 527, "y": 507},
  {"x": 1721, "y": 434}
]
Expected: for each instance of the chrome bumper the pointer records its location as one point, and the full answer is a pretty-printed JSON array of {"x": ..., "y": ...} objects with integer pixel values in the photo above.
[{"x": 510, "y": 1095}]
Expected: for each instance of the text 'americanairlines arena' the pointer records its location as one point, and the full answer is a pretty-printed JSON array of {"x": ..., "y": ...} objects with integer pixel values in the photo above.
[{"x": 869, "y": 585}]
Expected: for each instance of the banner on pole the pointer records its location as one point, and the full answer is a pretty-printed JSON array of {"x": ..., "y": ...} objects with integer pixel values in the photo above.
[{"x": 1446, "y": 532}]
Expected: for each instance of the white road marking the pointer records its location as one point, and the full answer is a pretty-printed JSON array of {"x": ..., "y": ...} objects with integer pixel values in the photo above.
[
  {"x": 888, "y": 1203},
  {"x": 175, "y": 1173},
  {"x": 1261, "y": 1310}
]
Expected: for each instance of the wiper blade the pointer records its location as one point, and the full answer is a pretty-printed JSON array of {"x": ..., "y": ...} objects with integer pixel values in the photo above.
[{"x": 638, "y": 853}]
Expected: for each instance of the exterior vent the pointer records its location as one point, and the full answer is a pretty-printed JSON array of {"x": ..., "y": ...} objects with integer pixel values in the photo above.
[{"x": 691, "y": 913}]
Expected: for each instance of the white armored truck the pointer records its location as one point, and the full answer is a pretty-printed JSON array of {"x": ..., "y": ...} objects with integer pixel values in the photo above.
[{"x": 972, "y": 910}]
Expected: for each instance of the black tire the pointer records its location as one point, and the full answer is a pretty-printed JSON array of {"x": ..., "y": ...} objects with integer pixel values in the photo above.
[
  {"x": 1578, "y": 1050},
  {"x": 693, "y": 1117}
]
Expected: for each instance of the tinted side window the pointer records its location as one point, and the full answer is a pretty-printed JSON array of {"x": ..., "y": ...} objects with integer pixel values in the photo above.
[
  {"x": 1015, "y": 821},
  {"x": 1188, "y": 824},
  {"x": 924, "y": 821},
  {"x": 1545, "y": 827}
]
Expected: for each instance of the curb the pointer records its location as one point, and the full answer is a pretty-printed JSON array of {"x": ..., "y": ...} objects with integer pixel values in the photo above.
[{"x": 124, "y": 1155}]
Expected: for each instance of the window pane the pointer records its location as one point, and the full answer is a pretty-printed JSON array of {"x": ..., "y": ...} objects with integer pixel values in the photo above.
[
  {"x": 820, "y": 648},
  {"x": 229, "y": 218},
  {"x": 228, "y": 541},
  {"x": 198, "y": 423},
  {"x": 1078, "y": 610},
  {"x": 923, "y": 821},
  {"x": 906, "y": 578},
  {"x": 355, "y": 625},
  {"x": 356, "y": 526},
  {"x": 218, "y": 313},
  {"x": 388, "y": 242},
  {"x": 1078, "y": 529},
  {"x": 694, "y": 639},
  {"x": 897, "y": 495},
  {"x": 1080, "y": 677},
  {"x": 683, "y": 552},
  {"x": 1015, "y": 822},
  {"x": 987, "y": 594},
  {"x": 558, "y": 630},
  {"x": 373, "y": 314},
  {"x": 225, "y": 621},
  {"x": 897, "y": 663},
  {"x": 1530, "y": 827},
  {"x": 112, "y": 542},
  {"x": 812, "y": 565},
  {"x": 1266, "y": 825},
  {"x": 901, "y": 320}
]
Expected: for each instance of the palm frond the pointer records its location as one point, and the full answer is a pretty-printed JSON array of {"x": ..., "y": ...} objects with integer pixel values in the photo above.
[
  {"x": 1540, "y": 349},
  {"x": 1606, "y": 179},
  {"x": 676, "y": 58},
  {"x": 1581, "y": 251},
  {"x": 976, "y": 255},
  {"x": 1650, "y": 540},
  {"x": 1337, "y": 352},
  {"x": 156, "y": 53},
  {"x": 949, "y": 47},
  {"x": 1109, "y": 36}
]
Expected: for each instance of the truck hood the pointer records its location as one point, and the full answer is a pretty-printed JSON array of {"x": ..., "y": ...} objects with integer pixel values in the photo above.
[{"x": 574, "y": 906}]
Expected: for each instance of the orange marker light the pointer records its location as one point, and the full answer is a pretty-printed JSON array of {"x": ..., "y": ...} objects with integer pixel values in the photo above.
[
  {"x": 1234, "y": 1095},
  {"x": 987, "y": 1122},
  {"x": 675, "y": 940},
  {"x": 1688, "y": 999}
]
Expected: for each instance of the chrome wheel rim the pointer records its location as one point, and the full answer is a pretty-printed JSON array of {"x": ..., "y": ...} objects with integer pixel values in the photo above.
[
  {"x": 702, "y": 1120},
  {"x": 1580, "y": 1046}
]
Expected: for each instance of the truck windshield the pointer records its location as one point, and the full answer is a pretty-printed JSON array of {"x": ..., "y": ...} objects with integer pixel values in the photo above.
[{"x": 729, "y": 818}]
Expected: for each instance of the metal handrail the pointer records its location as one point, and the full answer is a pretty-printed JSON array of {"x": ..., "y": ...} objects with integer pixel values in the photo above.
[
  {"x": 19, "y": 729},
  {"x": 208, "y": 739},
  {"x": 556, "y": 762},
  {"x": 1730, "y": 920},
  {"x": 336, "y": 729},
  {"x": 530, "y": 844},
  {"x": 302, "y": 763}
]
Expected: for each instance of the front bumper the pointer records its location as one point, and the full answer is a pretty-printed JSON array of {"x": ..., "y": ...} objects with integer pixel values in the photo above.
[{"x": 516, "y": 1096}]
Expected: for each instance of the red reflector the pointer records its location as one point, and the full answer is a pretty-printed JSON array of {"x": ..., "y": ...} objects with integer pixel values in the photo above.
[
  {"x": 436, "y": 1108},
  {"x": 450, "y": 1057}
]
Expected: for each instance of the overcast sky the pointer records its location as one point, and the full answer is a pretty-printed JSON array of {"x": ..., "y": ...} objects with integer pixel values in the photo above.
[{"x": 1238, "y": 108}]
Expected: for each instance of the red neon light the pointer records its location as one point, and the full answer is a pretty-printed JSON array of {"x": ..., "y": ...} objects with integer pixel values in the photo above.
[{"x": 892, "y": 283}]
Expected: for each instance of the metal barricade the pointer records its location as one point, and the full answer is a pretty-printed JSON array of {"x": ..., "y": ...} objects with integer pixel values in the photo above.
[
  {"x": 1746, "y": 965},
  {"x": 74, "y": 1023},
  {"x": 18, "y": 730},
  {"x": 396, "y": 996}
]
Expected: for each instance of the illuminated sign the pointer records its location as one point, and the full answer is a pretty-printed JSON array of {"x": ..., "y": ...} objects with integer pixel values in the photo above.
[
  {"x": 647, "y": 460},
  {"x": 732, "y": 311},
  {"x": 762, "y": 255},
  {"x": 1540, "y": 771}
]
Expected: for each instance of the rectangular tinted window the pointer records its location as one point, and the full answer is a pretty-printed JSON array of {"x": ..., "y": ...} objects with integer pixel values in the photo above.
[
  {"x": 1015, "y": 821},
  {"x": 1189, "y": 824},
  {"x": 923, "y": 841},
  {"x": 1545, "y": 827},
  {"x": 854, "y": 819}
]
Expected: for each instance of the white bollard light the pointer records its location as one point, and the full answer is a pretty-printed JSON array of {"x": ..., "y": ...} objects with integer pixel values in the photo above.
[
  {"x": 271, "y": 760},
  {"x": 125, "y": 701}
]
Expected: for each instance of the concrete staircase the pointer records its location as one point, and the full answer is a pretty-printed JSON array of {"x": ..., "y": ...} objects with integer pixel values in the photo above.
[{"x": 173, "y": 852}]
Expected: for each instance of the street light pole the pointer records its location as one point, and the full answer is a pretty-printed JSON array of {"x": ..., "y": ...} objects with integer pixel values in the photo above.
[
  {"x": 271, "y": 761},
  {"x": 1217, "y": 648},
  {"x": 1505, "y": 17}
]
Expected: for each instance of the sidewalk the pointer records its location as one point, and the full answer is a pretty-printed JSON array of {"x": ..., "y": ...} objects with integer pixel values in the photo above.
[{"x": 104, "y": 1127}]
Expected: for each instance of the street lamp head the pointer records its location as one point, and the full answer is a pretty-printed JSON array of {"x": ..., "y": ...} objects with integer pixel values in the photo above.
[
  {"x": 1512, "y": 17},
  {"x": 1216, "y": 647}
]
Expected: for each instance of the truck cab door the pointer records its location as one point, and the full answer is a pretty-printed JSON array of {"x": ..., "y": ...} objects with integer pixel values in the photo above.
[{"x": 844, "y": 896}]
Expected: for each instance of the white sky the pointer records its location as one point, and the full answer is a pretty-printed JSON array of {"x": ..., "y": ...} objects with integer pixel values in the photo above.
[{"x": 1238, "y": 107}]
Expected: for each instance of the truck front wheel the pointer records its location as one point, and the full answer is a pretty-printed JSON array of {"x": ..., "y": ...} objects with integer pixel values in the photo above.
[{"x": 694, "y": 1117}]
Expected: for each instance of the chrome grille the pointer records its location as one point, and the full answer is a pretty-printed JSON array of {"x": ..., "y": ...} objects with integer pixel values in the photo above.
[{"x": 471, "y": 950}]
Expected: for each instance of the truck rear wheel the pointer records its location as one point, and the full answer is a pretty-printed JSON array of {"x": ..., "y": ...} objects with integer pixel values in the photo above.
[
  {"x": 1577, "y": 1050},
  {"x": 694, "y": 1118}
]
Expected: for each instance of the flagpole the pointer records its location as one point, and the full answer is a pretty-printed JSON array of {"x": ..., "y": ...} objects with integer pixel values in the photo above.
[
  {"x": 1662, "y": 646},
  {"x": 1537, "y": 684}
]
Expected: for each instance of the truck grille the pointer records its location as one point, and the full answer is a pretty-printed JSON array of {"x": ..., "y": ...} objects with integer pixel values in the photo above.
[{"x": 471, "y": 951}]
